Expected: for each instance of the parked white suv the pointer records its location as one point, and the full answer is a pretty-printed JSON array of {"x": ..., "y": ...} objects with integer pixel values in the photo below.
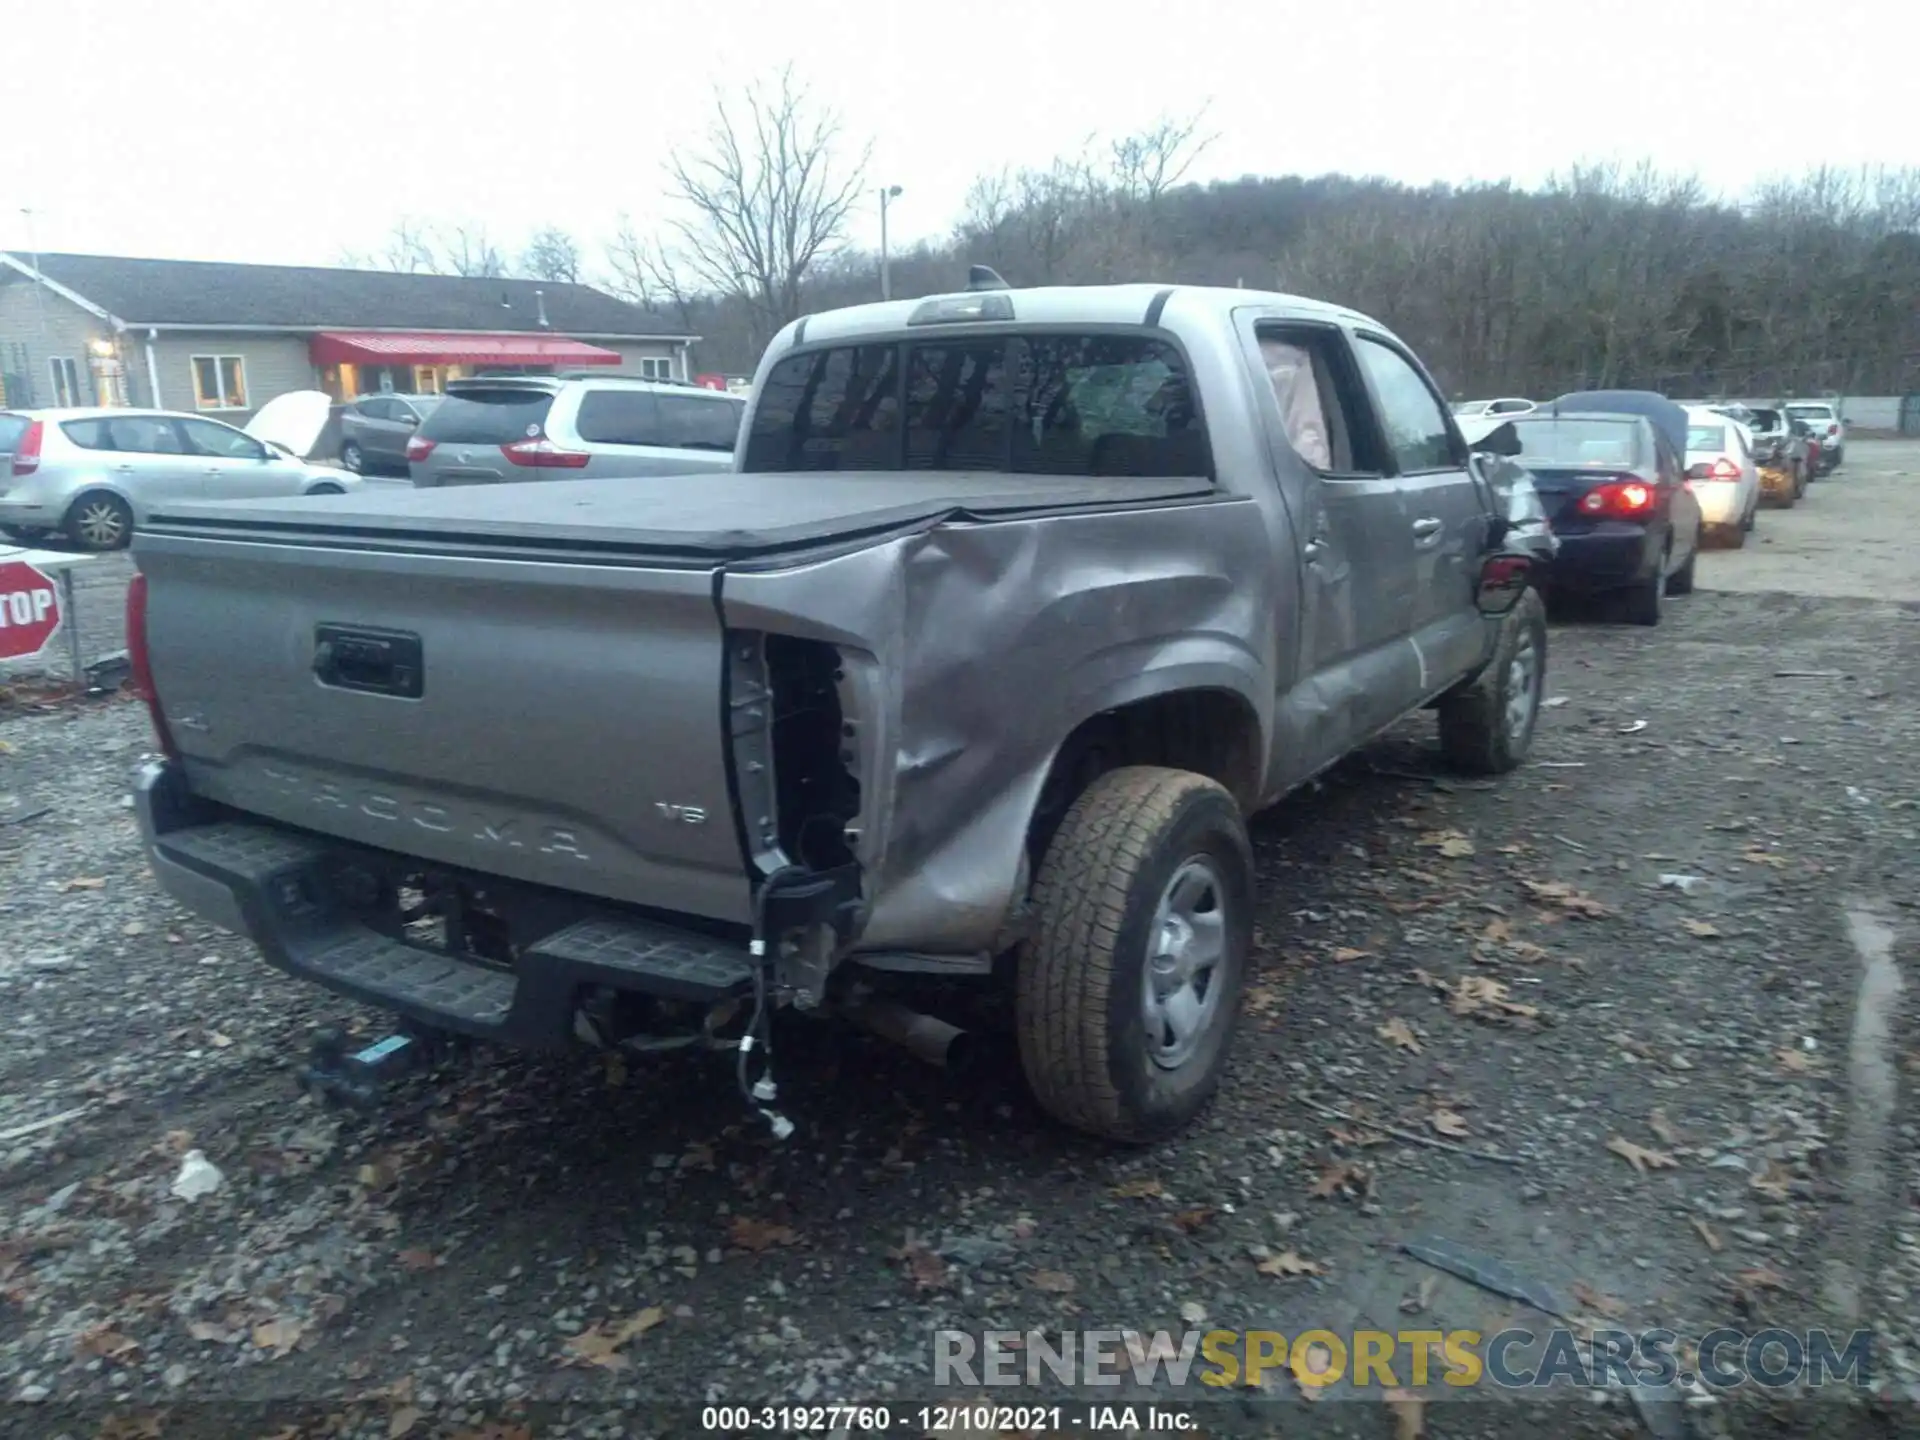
[
  {"x": 508, "y": 428},
  {"x": 1823, "y": 419}
]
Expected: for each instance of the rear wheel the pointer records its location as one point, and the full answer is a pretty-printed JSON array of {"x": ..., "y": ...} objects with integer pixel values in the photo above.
[
  {"x": 353, "y": 458},
  {"x": 99, "y": 521},
  {"x": 1487, "y": 728},
  {"x": 1680, "y": 582},
  {"x": 326, "y": 487},
  {"x": 1130, "y": 987},
  {"x": 1642, "y": 602}
]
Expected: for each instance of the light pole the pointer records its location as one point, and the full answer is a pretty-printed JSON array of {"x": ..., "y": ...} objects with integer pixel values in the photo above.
[{"x": 887, "y": 192}]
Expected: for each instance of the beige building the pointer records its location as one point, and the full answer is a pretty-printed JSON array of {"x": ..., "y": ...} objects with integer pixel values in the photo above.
[{"x": 224, "y": 339}]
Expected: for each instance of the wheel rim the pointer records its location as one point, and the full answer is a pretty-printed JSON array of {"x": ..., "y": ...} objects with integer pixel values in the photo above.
[
  {"x": 350, "y": 457},
  {"x": 1523, "y": 684},
  {"x": 1182, "y": 981},
  {"x": 100, "y": 524}
]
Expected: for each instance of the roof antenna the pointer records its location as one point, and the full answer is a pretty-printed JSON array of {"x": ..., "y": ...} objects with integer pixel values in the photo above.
[
  {"x": 540, "y": 303},
  {"x": 985, "y": 277}
]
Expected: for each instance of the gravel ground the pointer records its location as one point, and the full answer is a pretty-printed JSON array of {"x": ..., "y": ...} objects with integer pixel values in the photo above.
[{"x": 1489, "y": 967}]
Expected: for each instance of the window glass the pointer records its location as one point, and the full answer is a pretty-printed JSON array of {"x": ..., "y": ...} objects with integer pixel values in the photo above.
[
  {"x": 619, "y": 417},
  {"x": 221, "y": 442},
  {"x": 957, "y": 406},
  {"x": 88, "y": 434},
  {"x": 488, "y": 417},
  {"x": 829, "y": 410},
  {"x": 219, "y": 382},
  {"x": 1711, "y": 438},
  {"x": 1104, "y": 405},
  {"x": 656, "y": 367},
  {"x": 1550, "y": 442},
  {"x": 1415, "y": 423},
  {"x": 12, "y": 427},
  {"x": 66, "y": 380},
  {"x": 145, "y": 434},
  {"x": 379, "y": 409},
  {"x": 688, "y": 422}
]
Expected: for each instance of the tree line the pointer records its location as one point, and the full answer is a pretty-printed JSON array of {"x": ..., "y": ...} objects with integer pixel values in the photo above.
[{"x": 1606, "y": 275}]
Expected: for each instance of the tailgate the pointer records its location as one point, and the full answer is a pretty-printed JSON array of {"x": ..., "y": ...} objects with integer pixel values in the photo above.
[{"x": 557, "y": 721}]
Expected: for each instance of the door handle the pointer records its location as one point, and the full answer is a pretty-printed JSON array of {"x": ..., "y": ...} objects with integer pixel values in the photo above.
[{"x": 1426, "y": 528}]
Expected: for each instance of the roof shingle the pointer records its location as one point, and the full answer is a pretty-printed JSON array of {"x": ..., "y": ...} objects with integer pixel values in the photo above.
[{"x": 214, "y": 293}]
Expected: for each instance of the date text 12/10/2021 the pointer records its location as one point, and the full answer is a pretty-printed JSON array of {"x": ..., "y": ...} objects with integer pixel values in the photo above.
[{"x": 946, "y": 1419}]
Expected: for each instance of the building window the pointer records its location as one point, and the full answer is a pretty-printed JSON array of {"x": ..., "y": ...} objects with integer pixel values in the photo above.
[
  {"x": 66, "y": 380},
  {"x": 219, "y": 382},
  {"x": 656, "y": 367}
]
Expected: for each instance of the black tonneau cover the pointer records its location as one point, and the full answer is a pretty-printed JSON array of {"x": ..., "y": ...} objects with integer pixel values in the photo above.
[{"x": 709, "y": 516}]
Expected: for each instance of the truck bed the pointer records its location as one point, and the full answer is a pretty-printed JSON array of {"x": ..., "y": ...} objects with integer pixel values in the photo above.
[{"x": 696, "y": 519}]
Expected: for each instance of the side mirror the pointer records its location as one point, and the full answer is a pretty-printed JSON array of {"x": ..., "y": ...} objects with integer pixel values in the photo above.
[{"x": 1503, "y": 580}]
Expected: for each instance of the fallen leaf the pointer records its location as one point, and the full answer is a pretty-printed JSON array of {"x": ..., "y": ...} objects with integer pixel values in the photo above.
[
  {"x": 1641, "y": 1158},
  {"x": 1054, "y": 1282},
  {"x": 1261, "y": 1000},
  {"x": 1705, "y": 929},
  {"x": 1450, "y": 843},
  {"x": 219, "y": 1041},
  {"x": 1343, "y": 1177},
  {"x": 379, "y": 1173},
  {"x": 698, "y": 1157},
  {"x": 1447, "y": 1122},
  {"x": 417, "y": 1259},
  {"x": 129, "y": 1427},
  {"x": 1662, "y": 1128},
  {"x": 1397, "y": 1032},
  {"x": 1409, "y": 1414},
  {"x": 1477, "y": 994},
  {"x": 757, "y": 1235},
  {"x": 1756, "y": 856},
  {"x": 1574, "y": 902},
  {"x": 1290, "y": 1262},
  {"x": 1192, "y": 1220},
  {"x": 1359, "y": 1138},
  {"x": 1762, "y": 1277},
  {"x": 1139, "y": 1189},
  {"x": 206, "y": 1330},
  {"x": 1345, "y": 953},
  {"x": 85, "y": 882},
  {"x": 279, "y": 1336},
  {"x": 106, "y": 1344},
  {"x": 1793, "y": 1060},
  {"x": 403, "y": 1421},
  {"x": 1500, "y": 932},
  {"x": 1772, "y": 1182},
  {"x": 1598, "y": 1303},
  {"x": 926, "y": 1269},
  {"x": 1706, "y": 1234},
  {"x": 600, "y": 1343},
  {"x": 1414, "y": 1301}
]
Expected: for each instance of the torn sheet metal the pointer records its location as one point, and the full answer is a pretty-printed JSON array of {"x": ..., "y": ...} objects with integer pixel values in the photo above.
[{"x": 1776, "y": 485}]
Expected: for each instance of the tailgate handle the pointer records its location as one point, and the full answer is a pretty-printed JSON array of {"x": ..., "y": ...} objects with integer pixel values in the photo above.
[{"x": 374, "y": 662}]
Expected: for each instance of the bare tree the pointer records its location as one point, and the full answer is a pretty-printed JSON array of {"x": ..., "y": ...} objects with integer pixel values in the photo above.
[
  {"x": 552, "y": 254},
  {"x": 1144, "y": 166},
  {"x": 767, "y": 194},
  {"x": 466, "y": 250},
  {"x": 407, "y": 250}
]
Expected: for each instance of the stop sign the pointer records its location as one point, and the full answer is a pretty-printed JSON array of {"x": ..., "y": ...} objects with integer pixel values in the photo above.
[{"x": 29, "y": 610}]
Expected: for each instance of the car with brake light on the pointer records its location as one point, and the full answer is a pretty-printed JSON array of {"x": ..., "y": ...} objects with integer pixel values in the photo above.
[
  {"x": 507, "y": 428},
  {"x": 94, "y": 475},
  {"x": 640, "y": 765},
  {"x": 1627, "y": 524},
  {"x": 1722, "y": 470},
  {"x": 1822, "y": 418}
]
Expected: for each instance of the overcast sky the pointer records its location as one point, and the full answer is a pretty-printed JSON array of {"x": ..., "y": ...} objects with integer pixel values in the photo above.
[{"x": 290, "y": 131}]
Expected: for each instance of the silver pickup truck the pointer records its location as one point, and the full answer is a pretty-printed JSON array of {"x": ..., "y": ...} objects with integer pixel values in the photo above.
[{"x": 1015, "y": 604}]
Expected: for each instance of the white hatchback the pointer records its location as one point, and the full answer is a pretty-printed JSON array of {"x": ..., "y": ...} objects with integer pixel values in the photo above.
[{"x": 1722, "y": 471}]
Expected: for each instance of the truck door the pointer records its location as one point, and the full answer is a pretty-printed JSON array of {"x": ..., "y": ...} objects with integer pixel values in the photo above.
[
  {"x": 1354, "y": 544},
  {"x": 1446, "y": 511}
]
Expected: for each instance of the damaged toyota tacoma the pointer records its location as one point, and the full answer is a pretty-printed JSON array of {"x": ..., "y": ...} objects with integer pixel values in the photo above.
[{"x": 1014, "y": 606}]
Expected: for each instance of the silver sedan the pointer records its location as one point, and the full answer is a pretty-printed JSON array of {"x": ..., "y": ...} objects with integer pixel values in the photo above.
[{"x": 93, "y": 475}]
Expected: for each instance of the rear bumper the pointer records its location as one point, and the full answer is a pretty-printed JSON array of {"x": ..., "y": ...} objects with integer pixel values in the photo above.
[
  {"x": 1611, "y": 557},
  {"x": 1719, "y": 501},
  {"x": 29, "y": 514},
  {"x": 284, "y": 889}
]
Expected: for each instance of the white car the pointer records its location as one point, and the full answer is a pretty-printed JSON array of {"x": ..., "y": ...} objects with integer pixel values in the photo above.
[
  {"x": 1823, "y": 419},
  {"x": 1722, "y": 472},
  {"x": 1506, "y": 405},
  {"x": 94, "y": 475}
]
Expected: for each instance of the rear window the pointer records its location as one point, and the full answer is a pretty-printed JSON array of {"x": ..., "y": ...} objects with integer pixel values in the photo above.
[
  {"x": 1767, "y": 420},
  {"x": 1710, "y": 438},
  {"x": 88, "y": 434},
  {"x": 12, "y": 427},
  {"x": 1052, "y": 404},
  {"x": 1810, "y": 412},
  {"x": 1577, "y": 442},
  {"x": 487, "y": 417}
]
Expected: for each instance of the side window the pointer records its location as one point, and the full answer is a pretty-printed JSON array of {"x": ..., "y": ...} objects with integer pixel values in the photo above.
[
  {"x": 1104, "y": 405},
  {"x": 145, "y": 435},
  {"x": 379, "y": 409},
  {"x": 88, "y": 434},
  {"x": 688, "y": 422},
  {"x": 618, "y": 417},
  {"x": 829, "y": 410},
  {"x": 1415, "y": 422},
  {"x": 1322, "y": 411},
  {"x": 221, "y": 442},
  {"x": 957, "y": 406}
]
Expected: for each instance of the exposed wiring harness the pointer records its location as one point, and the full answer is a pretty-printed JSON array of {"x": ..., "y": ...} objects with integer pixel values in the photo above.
[{"x": 760, "y": 1092}]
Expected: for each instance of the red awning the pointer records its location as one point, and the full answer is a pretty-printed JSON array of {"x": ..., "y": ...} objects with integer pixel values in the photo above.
[{"x": 373, "y": 347}]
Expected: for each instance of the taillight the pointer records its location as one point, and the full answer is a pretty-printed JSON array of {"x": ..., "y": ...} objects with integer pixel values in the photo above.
[
  {"x": 1721, "y": 469},
  {"x": 542, "y": 454},
  {"x": 26, "y": 455},
  {"x": 140, "y": 663},
  {"x": 1618, "y": 499},
  {"x": 418, "y": 449},
  {"x": 1833, "y": 429}
]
